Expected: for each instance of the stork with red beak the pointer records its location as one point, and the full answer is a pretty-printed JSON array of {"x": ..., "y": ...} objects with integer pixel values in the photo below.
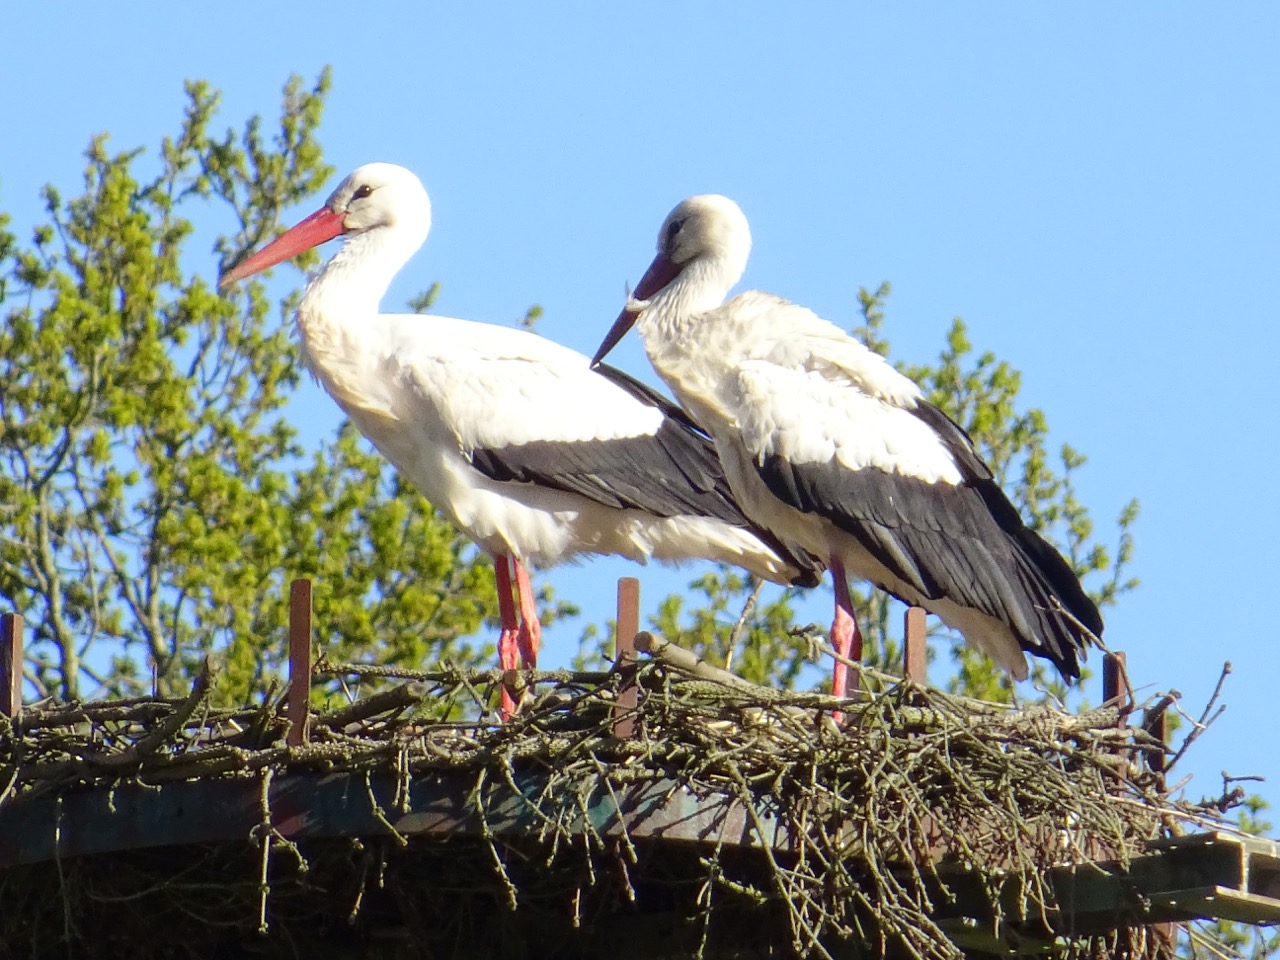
[{"x": 515, "y": 439}]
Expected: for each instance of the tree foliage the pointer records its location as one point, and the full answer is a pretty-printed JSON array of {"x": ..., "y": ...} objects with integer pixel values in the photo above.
[{"x": 155, "y": 497}]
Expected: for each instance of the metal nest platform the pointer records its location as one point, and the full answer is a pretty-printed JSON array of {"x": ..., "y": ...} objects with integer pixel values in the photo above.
[{"x": 663, "y": 808}]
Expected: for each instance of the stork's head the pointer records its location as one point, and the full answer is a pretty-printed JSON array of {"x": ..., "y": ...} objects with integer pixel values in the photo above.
[
  {"x": 705, "y": 227},
  {"x": 703, "y": 248},
  {"x": 381, "y": 195},
  {"x": 376, "y": 196}
]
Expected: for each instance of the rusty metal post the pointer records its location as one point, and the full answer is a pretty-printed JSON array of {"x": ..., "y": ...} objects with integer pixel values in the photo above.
[
  {"x": 1115, "y": 683},
  {"x": 624, "y": 657},
  {"x": 299, "y": 697},
  {"x": 915, "y": 659},
  {"x": 11, "y": 664},
  {"x": 1116, "y": 690}
]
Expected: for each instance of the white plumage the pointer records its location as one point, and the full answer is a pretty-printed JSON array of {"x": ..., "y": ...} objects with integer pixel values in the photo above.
[
  {"x": 835, "y": 452},
  {"x": 514, "y": 438}
]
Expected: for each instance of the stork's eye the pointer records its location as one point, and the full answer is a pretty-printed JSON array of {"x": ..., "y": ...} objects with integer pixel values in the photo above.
[
  {"x": 672, "y": 229},
  {"x": 362, "y": 191}
]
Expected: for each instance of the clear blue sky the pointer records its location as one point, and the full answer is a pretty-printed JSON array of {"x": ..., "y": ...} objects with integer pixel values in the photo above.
[{"x": 1095, "y": 188}]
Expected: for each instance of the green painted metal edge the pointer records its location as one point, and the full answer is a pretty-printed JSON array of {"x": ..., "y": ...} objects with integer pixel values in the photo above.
[{"x": 132, "y": 815}]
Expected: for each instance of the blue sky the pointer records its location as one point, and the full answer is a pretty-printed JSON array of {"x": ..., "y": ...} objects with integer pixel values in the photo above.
[{"x": 1095, "y": 188}]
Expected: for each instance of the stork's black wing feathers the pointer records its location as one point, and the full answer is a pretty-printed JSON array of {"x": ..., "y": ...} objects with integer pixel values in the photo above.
[
  {"x": 671, "y": 472},
  {"x": 654, "y": 473},
  {"x": 1046, "y": 559},
  {"x": 965, "y": 542}
]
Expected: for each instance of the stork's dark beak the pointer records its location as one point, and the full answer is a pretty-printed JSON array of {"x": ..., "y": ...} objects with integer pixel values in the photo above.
[{"x": 660, "y": 273}]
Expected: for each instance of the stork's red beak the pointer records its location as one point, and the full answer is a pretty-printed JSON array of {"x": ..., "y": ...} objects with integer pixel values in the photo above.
[
  {"x": 322, "y": 225},
  {"x": 660, "y": 273}
]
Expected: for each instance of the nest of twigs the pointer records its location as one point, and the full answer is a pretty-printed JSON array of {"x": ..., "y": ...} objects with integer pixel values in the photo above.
[{"x": 920, "y": 815}]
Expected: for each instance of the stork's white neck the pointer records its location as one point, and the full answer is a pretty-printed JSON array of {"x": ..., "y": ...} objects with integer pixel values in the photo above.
[
  {"x": 701, "y": 286},
  {"x": 353, "y": 283},
  {"x": 341, "y": 303},
  {"x": 672, "y": 314}
]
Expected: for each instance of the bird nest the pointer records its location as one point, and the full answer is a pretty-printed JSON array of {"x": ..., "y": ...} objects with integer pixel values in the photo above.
[{"x": 713, "y": 818}]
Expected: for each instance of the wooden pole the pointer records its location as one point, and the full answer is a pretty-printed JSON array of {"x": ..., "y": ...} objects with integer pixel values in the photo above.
[
  {"x": 915, "y": 646},
  {"x": 11, "y": 664},
  {"x": 299, "y": 697},
  {"x": 624, "y": 658}
]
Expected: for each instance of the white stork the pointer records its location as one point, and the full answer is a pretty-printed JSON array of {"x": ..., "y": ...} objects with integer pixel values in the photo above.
[
  {"x": 831, "y": 449},
  {"x": 526, "y": 450}
]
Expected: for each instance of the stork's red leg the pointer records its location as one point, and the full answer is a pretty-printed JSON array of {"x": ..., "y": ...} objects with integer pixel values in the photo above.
[
  {"x": 508, "y": 650},
  {"x": 845, "y": 636},
  {"x": 530, "y": 635}
]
